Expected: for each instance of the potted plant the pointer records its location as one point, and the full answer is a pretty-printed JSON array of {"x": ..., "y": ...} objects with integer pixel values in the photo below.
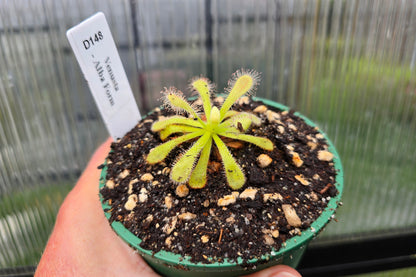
[{"x": 222, "y": 185}]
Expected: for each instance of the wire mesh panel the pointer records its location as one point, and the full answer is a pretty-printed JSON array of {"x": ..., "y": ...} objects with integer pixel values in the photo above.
[{"x": 348, "y": 65}]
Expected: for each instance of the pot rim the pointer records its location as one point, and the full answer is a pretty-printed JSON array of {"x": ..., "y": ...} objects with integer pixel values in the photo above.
[{"x": 290, "y": 244}]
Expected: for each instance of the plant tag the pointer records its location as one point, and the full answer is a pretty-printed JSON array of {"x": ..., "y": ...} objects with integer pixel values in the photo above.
[{"x": 97, "y": 55}]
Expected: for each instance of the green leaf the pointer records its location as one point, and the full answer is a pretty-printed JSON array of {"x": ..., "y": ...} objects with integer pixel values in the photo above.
[
  {"x": 259, "y": 141},
  {"x": 203, "y": 87},
  {"x": 243, "y": 84},
  {"x": 160, "y": 152},
  {"x": 244, "y": 118},
  {"x": 199, "y": 174},
  {"x": 234, "y": 174},
  {"x": 176, "y": 100},
  {"x": 182, "y": 169},
  {"x": 162, "y": 124},
  {"x": 176, "y": 128}
]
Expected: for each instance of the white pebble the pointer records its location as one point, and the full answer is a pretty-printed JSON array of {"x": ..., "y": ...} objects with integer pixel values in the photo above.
[
  {"x": 131, "y": 202},
  {"x": 325, "y": 155},
  {"x": 291, "y": 215},
  {"x": 264, "y": 160},
  {"x": 248, "y": 193}
]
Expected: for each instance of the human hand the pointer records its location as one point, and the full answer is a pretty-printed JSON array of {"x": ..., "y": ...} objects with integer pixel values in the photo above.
[{"x": 82, "y": 242}]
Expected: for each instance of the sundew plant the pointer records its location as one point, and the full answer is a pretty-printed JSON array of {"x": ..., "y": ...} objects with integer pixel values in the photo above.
[{"x": 206, "y": 129}]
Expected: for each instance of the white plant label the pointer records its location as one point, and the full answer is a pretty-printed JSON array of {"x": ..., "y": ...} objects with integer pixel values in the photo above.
[{"x": 97, "y": 55}]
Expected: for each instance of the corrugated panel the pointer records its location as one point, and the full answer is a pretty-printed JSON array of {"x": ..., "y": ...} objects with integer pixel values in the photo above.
[{"x": 348, "y": 65}]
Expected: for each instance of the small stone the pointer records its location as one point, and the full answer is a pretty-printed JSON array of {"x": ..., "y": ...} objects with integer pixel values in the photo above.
[
  {"x": 314, "y": 196},
  {"x": 275, "y": 233},
  {"x": 206, "y": 203},
  {"x": 110, "y": 184},
  {"x": 291, "y": 215},
  {"x": 272, "y": 196},
  {"x": 281, "y": 129},
  {"x": 205, "y": 239},
  {"x": 130, "y": 216},
  {"x": 219, "y": 99},
  {"x": 230, "y": 219},
  {"x": 244, "y": 100},
  {"x": 235, "y": 144},
  {"x": 228, "y": 199},
  {"x": 268, "y": 240},
  {"x": 131, "y": 202},
  {"x": 292, "y": 127},
  {"x": 187, "y": 216},
  {"x": 309, "y": 137},
  {"x": 297, "y": 161},
  {"x": 182, "y": 190},
  {"x": 146, "y": 177},
  {"x": 168, "y": 202},
  {"x": 130, "y": 190},
  {"x": 168, "y": 241},
  {"x": 272, "y": 117},
  {"x": 248, "y": 193},
  {"x": 155, "y": 183},
  {"x": 170, "y": 226},
  {"x": 312, "y": 145},
  {"x": 260, "y": 109},
  {"x": 264, "y": 160},
  {"x": 302, "y": 180},
  {"x": 319, "y": 136},
  {"x": 316, "y": 177},
  {"x": 325, "y": 155},
  {"x": 295, "y": 232},
  {"x": 149, "y": 218},
  {"x": 143, "y": 195},
  {"x": 166, "y": 171},
  {"x": 124, "y": 174}
]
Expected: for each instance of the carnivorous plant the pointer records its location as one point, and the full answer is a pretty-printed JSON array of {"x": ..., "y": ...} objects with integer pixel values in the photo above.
[{"x": 211, "y": 126}]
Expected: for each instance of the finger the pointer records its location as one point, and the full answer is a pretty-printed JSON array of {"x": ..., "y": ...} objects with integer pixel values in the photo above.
[{"x": 277, "y": 271}]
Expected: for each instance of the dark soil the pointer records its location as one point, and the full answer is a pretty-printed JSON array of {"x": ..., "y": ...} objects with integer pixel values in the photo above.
[{"x": 195, "y": 225}]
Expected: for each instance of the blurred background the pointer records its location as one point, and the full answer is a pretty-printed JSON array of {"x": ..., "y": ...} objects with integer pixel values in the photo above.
[{"x": 347, "y": 65}]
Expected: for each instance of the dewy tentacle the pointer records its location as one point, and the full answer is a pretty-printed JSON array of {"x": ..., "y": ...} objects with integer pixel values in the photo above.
[{"x": 177, "y": 101}]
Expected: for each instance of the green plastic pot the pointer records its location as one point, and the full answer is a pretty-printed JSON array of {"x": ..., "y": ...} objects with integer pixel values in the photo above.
[{"x": 170, "y": 264}]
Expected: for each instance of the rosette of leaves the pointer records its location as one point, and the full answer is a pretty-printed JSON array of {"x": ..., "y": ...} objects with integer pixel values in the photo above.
[{"x": 206, "y": 129}]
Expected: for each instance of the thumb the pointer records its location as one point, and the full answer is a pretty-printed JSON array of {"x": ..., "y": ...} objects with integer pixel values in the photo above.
[{"x": 276, "y": 271}]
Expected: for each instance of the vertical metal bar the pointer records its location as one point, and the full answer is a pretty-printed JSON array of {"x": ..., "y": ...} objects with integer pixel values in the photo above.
[
  {"x": 138, "y": 53},
  {"x": 208, "y": 41}
]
